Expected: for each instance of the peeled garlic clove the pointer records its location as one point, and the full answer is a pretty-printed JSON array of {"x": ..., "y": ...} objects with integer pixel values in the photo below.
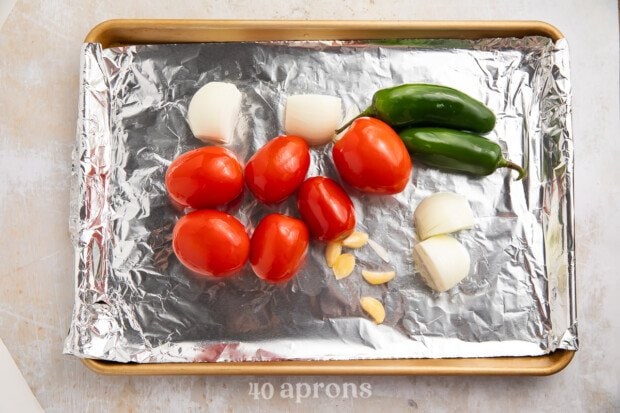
[
  {"x": 442, "y": 261},
  {"x": 213, "y": 112},
  {"x": 374, "y": 308},
  {"x": 356, "y": 240},
  {"x": 381, "y": 252},
  {"x": 378, "y": 277},
  {"x": 343, "y": 266},
  {"x": 442, "y": 213},
  {"x": 313, "y": 117},
  {"x": 332, "y": 252}
]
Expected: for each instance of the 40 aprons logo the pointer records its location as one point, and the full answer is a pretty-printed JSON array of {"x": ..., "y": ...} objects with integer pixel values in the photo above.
[{"x": 301, "y": 391}]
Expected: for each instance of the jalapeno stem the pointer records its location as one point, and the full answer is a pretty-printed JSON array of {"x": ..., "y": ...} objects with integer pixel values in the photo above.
[
  {"x": 368, "y": 112},
  {"x": 509, "y": 164}
]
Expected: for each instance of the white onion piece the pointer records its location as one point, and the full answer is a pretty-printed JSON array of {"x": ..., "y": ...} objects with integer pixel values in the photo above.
[
  {"x": 313, "y": 117},
  {"x": 442, "y": 213},
  {"x": 213, "y": 112},
  {"x": 442, "y": 261}
]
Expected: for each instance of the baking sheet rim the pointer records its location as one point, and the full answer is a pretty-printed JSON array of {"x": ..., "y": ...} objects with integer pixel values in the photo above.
[{"x": 144, "y": 31}]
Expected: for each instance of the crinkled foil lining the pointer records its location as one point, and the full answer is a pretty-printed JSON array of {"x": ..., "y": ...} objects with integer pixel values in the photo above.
[{"x": 134, "y": 301}]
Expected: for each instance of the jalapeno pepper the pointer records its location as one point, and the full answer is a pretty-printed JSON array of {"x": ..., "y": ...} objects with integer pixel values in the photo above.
[
  {"x": 454, "y": 150},
  {"x": 429, "y": 105}
]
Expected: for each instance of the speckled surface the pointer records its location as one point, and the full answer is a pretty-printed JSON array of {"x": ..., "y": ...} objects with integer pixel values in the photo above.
[{"x": 39, "y": 45}]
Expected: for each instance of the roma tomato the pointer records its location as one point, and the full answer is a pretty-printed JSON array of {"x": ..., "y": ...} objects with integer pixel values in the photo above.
[
  {"x": 277, "y": 169},
  {"x": 326, "y": 208},
  {"x": 278, "y": 247},
  {"x": 372, "y": 158},
  {"x": 211, "y": 243},
  {"x": 204, "y": 178}
]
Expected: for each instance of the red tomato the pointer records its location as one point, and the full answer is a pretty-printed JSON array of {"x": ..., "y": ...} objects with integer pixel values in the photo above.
[
  {"x": 326, "y": 209},
  {"x": 278, "y": 168},
  {"x": 204, "y": 178},
  {"x": 372, "y": 158},
  {"x": 278, "y": 247},
  {"x": 211, "y": 242}
]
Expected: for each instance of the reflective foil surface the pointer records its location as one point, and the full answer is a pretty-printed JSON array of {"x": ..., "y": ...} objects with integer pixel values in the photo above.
[{"x": 135, "y": 302}]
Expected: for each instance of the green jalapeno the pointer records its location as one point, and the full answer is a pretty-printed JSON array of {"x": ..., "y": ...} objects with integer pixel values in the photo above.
[
  {"x": 429, "y": 105},
  {"x": 454, "y": 150}
]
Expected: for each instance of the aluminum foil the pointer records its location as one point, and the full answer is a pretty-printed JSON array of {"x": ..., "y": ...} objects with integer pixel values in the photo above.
[{"x": 134, "y": 302}]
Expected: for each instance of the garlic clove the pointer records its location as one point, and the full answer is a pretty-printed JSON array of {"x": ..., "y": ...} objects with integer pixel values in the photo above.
[
  {"x": 213, "y": 112},
  {"x": 313, "y": 117},
  {"x": 381, "y": 252},
  {"x": 442, "y": 213},
  {"x": 378, "y": 277},
  {"x": 442, "y": 261},
  {"x": 343, "y": 266},
  {"x": 374, "y": 308},
  {"x": 355, "y": 240},
  {"x": 332, "y": 252}
]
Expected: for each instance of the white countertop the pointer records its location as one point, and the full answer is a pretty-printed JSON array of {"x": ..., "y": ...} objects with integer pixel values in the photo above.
[{"x": 39, "y": 65}]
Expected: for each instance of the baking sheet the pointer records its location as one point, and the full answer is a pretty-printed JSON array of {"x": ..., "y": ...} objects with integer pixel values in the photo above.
[{"x": 134, "y": 302}]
